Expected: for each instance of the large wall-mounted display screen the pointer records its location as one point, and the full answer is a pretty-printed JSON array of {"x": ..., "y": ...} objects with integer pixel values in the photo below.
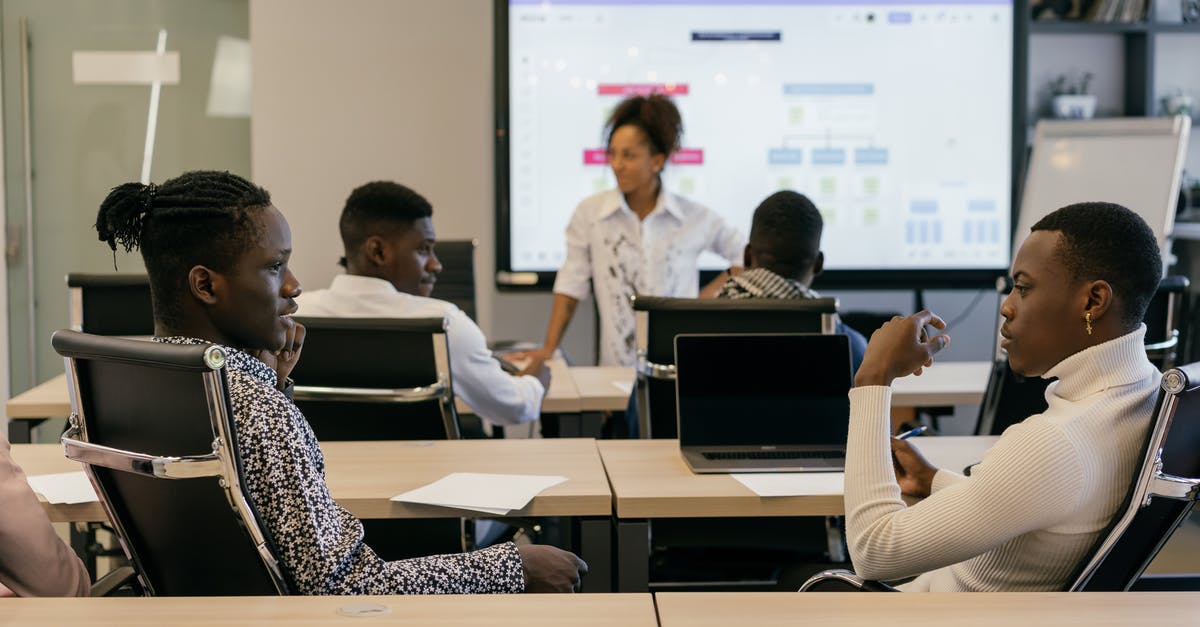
[{"x": 894, "y": 117}]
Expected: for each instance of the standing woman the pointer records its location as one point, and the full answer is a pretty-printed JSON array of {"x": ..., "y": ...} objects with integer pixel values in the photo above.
[{"x": 638, "y": 238}]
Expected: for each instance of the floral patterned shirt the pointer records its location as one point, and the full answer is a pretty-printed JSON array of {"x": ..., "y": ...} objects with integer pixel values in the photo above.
[{"x": 320, "y": 544}]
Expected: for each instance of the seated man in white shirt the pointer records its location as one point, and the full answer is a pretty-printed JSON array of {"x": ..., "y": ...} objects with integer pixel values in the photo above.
[{"x": 387, "y": 232}]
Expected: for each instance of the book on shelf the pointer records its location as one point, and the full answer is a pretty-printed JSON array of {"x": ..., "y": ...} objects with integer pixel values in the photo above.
[{"x": 1118, "y": 11}]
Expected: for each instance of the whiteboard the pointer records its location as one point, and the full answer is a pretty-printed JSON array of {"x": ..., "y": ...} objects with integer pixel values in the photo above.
[{"x": 1134, "y": 162}]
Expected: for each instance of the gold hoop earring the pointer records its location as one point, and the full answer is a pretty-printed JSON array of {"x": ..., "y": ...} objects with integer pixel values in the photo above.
[{"x": 1087, "y": 319}]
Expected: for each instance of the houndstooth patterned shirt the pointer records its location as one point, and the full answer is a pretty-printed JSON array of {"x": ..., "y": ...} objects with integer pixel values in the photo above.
[
  {"x": 320, "y": 543},
  {"x": 762, "y": 283}
]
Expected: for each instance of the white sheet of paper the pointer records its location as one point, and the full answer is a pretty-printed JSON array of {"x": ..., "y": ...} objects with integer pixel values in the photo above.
[
  {"x": 793, "y": 483},
  {"x": 64, "y": 487},
  {"x": 626, "y": 387},
  {"x": 495, "y": 494}
]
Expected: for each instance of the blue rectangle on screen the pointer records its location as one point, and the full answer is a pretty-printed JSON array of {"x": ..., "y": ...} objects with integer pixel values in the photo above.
[
  {"x": 994, "y": 233},
  {"x": 924, "y": 232},
  {"x": 923, "y": 206},
  {"x": 899, "y": 17},
  {"x": 981, "y": 205},
  {"x": 828, "y": 89},
  {"x": 829, "y": 156},
  {"x": 784, "y": 156},
  {"x": 966, "y": 232},
  {"x": 937, "y": 232},
  {"x": 981, "y": 233},
  {"x": 871, "y": 156},
  {"x": 909, "y": 231}
]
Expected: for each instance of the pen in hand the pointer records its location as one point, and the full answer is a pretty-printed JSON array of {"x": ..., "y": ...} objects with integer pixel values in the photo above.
[{"x": 911, "y": 432}]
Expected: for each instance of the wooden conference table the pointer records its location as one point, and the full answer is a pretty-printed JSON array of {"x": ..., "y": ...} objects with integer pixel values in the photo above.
[
  {"x": 978, "y": 609},
  {"x": 526, "y": 610},
  {"x": 669, "y": 609},
  {"x": 363, "y": 476},
  {"x": 573, "y": 389},
  {"x": 650, "y": 480}
]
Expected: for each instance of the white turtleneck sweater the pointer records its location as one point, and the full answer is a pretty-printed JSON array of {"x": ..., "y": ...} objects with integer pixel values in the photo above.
[{"x": 1035, "y": 504}]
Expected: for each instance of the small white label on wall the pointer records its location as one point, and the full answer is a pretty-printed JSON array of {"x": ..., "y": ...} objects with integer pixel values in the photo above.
[{"x": 96, "y": 67}]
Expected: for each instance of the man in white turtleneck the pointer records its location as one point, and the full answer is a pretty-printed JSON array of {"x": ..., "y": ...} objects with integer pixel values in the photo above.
[{"x": 1040, "y": 498}]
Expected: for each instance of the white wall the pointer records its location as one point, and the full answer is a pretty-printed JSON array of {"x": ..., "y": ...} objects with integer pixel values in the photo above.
[{"x": 347, "y": 92}]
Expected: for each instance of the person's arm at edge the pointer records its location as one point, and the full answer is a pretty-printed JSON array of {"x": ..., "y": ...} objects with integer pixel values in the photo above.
[
  {"x": 34, "y": 561},
  {"x": 480, "y": 381},
  {"x": 728, "y": 242}
]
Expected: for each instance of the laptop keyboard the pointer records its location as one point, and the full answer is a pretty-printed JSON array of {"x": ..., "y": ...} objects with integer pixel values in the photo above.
[{"x": 775, "y": 455}]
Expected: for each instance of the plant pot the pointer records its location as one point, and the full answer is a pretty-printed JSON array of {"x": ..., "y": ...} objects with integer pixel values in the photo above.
[
  {"x": 1178, "y": 105},
  {"x": 1074, "y": 106}
]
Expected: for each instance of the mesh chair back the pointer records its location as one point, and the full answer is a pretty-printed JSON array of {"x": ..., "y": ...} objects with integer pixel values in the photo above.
[
  {"x": 376, "y": 379},
  {"x": 153, "y": 425},
  {"x": 1162, "y": 495},
  {"x": 456, "y": 282},
  {"x": 111, "y": 304},
  {"x": 659, "y": 320}
]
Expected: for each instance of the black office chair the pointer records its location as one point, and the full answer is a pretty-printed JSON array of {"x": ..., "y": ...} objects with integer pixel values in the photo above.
[
  {"x": 456, "y": 282},
  {"x": 1159, "y": 499},
  {"x": 1009, "y": 398},
  {"x": 866, "y": 322},
  {"x": 383, "y": 379},
  {"x": 1166, "y": 321},
  {"x": 153, "y": 426},
  {"x": 110, "y": 304},
  {"x": 659, "y": 320},
  {"x": 376, "y": 379}
]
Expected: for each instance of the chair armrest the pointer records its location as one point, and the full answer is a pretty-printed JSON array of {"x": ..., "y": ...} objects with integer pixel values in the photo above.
[
  {"x": 113, "y": 581},
  {"x": 838, "y": 579}
]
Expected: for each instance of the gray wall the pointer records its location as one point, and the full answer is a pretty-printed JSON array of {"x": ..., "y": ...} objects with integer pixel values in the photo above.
[
  {"x": 347, "y": 92},
  {"x": 87, "y": 139}
]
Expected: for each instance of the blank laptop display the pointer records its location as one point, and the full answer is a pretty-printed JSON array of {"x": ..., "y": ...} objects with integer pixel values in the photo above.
[{"x": 763, "y": 402}]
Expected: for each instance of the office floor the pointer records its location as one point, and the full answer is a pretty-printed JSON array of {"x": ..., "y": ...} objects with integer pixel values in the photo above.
[{"x": 1182, "y": 553}]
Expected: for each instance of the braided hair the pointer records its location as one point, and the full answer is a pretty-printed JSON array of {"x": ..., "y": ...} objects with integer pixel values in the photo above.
[{"x": 197, "y": 218}]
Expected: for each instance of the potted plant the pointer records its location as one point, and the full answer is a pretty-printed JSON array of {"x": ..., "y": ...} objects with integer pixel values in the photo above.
[
  {"x": 1178, "y": 103},
  {"x": 1071, "y": 99}
]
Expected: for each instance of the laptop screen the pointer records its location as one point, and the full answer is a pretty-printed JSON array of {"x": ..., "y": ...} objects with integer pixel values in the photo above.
[{"x": 764, "y": 389}]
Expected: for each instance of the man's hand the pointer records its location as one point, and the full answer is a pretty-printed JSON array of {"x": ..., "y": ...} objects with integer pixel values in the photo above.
[
  {"x": 913, "y": 472},
  {"x": 550, "y": 569},
  {"x": 283, "y": 360},
  {"x": 901, "y": 347}
]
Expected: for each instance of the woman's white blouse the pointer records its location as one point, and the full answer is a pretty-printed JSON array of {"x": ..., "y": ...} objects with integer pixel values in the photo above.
[{"x": 622, "y": 256}]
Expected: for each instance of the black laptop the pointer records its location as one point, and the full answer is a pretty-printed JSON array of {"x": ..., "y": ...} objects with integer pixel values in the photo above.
[{"x": 763, "y": 402}]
